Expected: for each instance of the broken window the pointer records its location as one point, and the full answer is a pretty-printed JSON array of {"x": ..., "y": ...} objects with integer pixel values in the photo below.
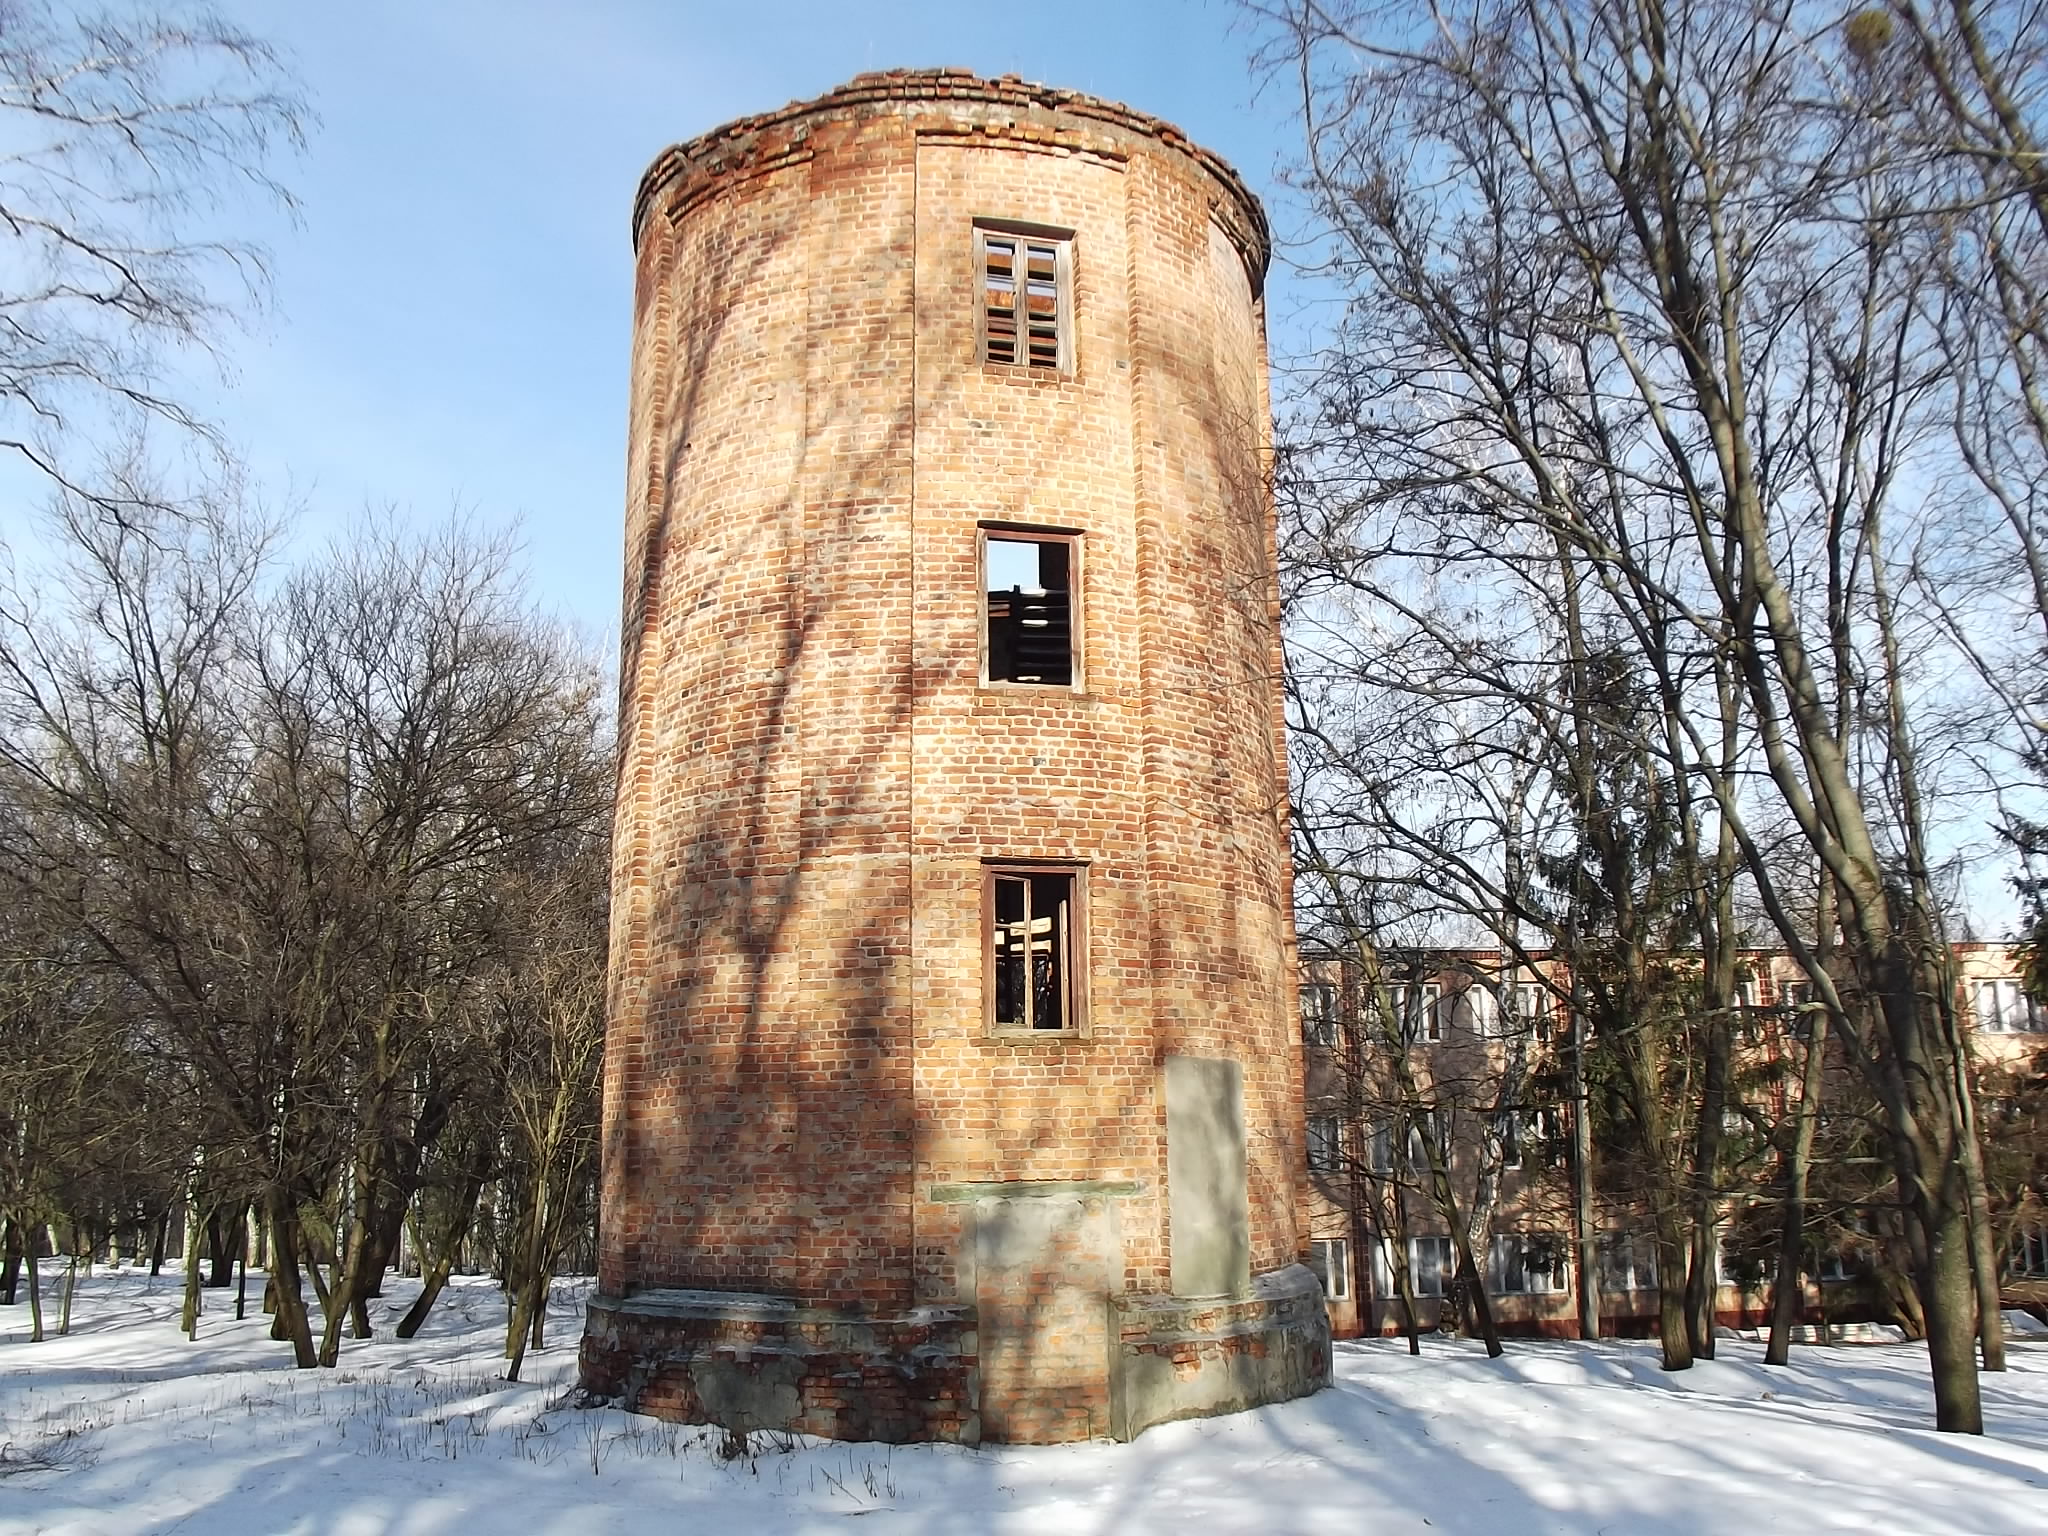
[
  {"x": 1028, "y": 580},
  {"x": 1026, "y": 281},
  {"x": 1035, "y": 944}
]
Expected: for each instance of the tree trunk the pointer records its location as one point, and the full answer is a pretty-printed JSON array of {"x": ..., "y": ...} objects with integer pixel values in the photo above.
[
  {"x": 1702, "y": 1281},
  {"x": 431, "y": 1286},
  {"x": 159, "y": 1242},
  {"x": 10, "y": 1267},
  {"x": 188, "y": 1316},
  {"x": 223, "y": 1236},
  {"x": 1585, "y": 1234},
  {"x": 35, "y": 1291},
  {"x": 532, "y": 1279},
  {"x": 1948, "y": 1299},
  {"x": 1983, "y": 1241},
  {"x": 436, "y": 1272},
  {"x": 1673, "y": 1334},
  {"x": 70, "y": 1288},
  {"x": 1786, "y": 1294},
  {"x": 289, "y": 1320}
]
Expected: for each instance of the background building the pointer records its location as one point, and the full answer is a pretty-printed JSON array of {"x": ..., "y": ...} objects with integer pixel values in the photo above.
[{"x": 1487, "y": 1044}]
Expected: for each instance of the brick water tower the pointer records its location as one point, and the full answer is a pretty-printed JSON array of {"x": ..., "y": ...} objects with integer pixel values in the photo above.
[{"x": 953, "y": 1078}]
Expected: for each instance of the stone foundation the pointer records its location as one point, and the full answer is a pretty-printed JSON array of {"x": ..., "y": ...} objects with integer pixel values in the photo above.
[
  {"x": 748, "y": 1362},
  {"x": 1182, "y": 1358}
]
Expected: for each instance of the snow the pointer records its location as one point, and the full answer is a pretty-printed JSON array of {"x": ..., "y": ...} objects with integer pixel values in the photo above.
[{"x": 126, "y": 1427}]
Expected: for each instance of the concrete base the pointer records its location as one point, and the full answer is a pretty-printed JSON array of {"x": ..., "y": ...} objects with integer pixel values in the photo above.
[
  {"x": 749, "y": 1362},
  {"x": 1191, "y": 1358}
]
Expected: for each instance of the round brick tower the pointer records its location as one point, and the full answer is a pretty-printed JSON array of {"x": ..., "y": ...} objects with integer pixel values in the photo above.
[{"x": 953, "y": 1077}]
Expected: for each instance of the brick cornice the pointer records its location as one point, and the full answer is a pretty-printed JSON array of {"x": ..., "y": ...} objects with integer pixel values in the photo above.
[{"x": 1008, "y": 109}]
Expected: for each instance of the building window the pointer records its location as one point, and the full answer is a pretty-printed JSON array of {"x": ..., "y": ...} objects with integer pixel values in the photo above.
[
  {"x": 2004, "y": 1009},
  {"x": 1427, "y": 1131},
  {"x": 1627, "y": 1262},
  {"x": 1507, "y": 1129},
  {"x": 1425, "y": 1007},
  {"x": 1479, "y": 1008},
  {"x": 1036, "y": 936},
  {"x": 1325, "y": 1143},
  {"x": 1026, "y": 279},
  {"x": 1799, "y": 1007},
  {"x": 1318, "y": 1013},
  {"x": 1029, "y": 581},
  {"x": 2027, "y": 1254},
  {"x": 1379, "y": 1149},
  {"x": 1532, "y": 1008},
  {"x": 1330, "y": 1258},
  {"x": 1528, "y": 1264},
  {"x": 1430, "y": 1265}
]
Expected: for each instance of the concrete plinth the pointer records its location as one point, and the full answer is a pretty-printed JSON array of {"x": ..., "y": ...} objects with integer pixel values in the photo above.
[
  {"x": 1188, "y": 1358},
  {"x": 748, "y": 1362}
]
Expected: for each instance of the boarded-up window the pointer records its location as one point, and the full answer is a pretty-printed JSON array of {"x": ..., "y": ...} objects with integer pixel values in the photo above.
[
  {"x": 1035, "y": 946},
  {"x": 1026, "y": 295},
  {"x": 1029, "y": 583}
]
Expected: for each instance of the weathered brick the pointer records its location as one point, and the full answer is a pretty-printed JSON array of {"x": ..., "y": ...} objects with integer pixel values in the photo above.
[{"x": 812, "y": 775}]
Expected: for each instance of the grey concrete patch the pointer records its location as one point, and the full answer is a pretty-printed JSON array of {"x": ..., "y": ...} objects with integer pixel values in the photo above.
[
  {"x": 1208, "y": 1211},
  {"x": 756, "y": 1394}
]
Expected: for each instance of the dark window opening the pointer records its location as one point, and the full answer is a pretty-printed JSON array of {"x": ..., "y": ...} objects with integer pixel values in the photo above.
[
  {"x": 1033, "y": 936},
  {"x": 1029, "y": 585}
]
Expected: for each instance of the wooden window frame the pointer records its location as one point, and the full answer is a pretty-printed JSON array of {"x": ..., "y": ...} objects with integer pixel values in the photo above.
[
  {"x": 1426, "y": 999},
  {"x": 1077, "y": 948},
  {"x": 1319, "y": 1025},
  {"x": 1077, "y": 609},
  {"x": 1062, "y": 242},
  {"x": 1325, "y": 1143},
  {"x": 1336, "y": 1264}
]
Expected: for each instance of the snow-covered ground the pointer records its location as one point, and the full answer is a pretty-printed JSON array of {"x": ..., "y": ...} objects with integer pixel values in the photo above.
[{"x": 136, "y": 1430}]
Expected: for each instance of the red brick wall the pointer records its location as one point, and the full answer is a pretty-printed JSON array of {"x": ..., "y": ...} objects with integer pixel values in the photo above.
[{"x": 811, "y": 776}]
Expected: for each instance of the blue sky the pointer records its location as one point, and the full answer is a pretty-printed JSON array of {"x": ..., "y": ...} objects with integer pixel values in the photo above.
[{"x": 452, "y": 312}]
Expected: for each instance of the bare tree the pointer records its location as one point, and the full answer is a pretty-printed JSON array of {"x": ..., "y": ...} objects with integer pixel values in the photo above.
[
  {"x": 127, "y": 134},
  {"x": 1625, "y": 291}
]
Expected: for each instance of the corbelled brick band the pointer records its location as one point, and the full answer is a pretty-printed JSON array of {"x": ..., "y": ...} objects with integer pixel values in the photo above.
[{"x": 805, "y": 1108}]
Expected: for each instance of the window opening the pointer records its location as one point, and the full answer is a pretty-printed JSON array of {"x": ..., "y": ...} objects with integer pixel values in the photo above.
[
  {"x": 1318, "y": 1013},
  {"x": 1528, "y": 1264},
  {"x": 1425, "y": 1011},
  {"x": 2003, "y": 1008},
  {"x": 1507, "y": 1126},
  {"x": 1033, "y": 940},
  {"x": 1325, "y": 1143},
  {"x": 1025, "y": 286},
  {"x": 1330, "y": 1258},
  {"x": 1379, "y": 1153},
  {"x": 2027, "y": 1254},
  {"x": 1030, "y": 609},
  {"x": 1430, "y": 1264},
  {"x": 1628, "y": 1262}
]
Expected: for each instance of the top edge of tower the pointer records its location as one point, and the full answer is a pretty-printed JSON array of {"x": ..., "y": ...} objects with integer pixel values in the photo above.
[{"x": 1006, "y": 108}]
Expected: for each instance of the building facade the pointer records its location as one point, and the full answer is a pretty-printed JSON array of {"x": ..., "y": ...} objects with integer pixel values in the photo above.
[
  {"x": 953, "y": 1082},
  {"x": 1486, "y": 1043}
]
